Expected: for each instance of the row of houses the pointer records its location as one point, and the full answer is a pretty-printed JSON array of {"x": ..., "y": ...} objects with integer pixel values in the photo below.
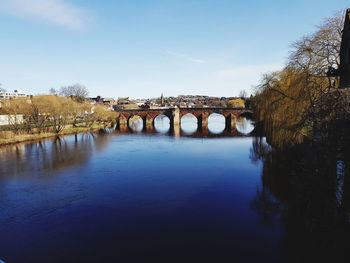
[{"x": 126, "y": 103}]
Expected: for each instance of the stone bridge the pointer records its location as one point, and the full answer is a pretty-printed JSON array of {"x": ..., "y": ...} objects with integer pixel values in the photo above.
[{"x": 175, "y": 114}]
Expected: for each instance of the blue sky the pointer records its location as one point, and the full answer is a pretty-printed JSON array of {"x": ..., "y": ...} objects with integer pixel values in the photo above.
[{"x": 140, "y": 48}]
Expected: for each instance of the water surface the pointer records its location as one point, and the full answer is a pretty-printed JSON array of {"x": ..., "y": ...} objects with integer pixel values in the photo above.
[{"x": 153, "y": 198}]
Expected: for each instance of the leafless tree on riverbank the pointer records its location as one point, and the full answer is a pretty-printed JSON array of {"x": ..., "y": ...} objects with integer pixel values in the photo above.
[
  {"x": 292, "y": 101},
  {"x": 77, "y": 92}
]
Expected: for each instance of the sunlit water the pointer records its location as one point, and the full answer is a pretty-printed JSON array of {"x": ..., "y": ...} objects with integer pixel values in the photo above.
[{"x": 144, "y": 198}]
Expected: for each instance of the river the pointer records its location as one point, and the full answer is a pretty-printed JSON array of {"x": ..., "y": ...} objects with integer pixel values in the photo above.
[{"x": 136, "y": 197}]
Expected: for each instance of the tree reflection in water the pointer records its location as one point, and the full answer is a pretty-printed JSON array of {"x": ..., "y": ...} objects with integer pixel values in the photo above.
[
  {"x": 49, "y": 155},
  {"x": 308, "y": 187},
  {"x": 245, "y": 125}
]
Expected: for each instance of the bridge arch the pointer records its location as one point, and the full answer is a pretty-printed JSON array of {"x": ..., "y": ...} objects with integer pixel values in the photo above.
[
  {"x": 162, "y": 123},
  {"x": 245, "y": 124},
  {"x": 135, "y": 123},
  {"x": 188, "y": 123},
  {"x": 216, "y": 123}
]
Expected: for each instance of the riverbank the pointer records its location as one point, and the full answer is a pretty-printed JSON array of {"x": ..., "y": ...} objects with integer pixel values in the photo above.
[{"x": 8, "y": 137}]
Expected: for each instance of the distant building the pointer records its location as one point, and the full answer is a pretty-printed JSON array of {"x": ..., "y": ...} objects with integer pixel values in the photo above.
[
  {"x": 191, "y": 104},
  {"x": 97, "y": 99},
  {"x": 11, "y": 95},
  {"x": 105, "y": 101},
  {"x": 162, "y": 100},
  {"x": 125, "y": 103},
  {"x": 109, "y": 101}
]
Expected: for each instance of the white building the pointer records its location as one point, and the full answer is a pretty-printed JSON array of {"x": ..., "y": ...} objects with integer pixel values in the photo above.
[
  {"x": 10, "y": 95},
  {"x": 11, "y": 119}
]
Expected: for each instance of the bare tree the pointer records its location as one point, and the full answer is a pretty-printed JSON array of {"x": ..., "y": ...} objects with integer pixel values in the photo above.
[
  {"x": 243, "y": 94},
  {"x": 293, "y": 102},
  {"x": 52, "y": 91},
  {"x": 316, "y": 53},
  {"x": 99, "y": 115},
  {"x": 59, "y": 112},
  {"x": 77, "y": 92},
  {"x": 38, "y": 116}
]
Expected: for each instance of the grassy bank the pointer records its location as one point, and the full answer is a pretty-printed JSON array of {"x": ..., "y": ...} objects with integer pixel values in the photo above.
[{"x": 8, "y": 137}]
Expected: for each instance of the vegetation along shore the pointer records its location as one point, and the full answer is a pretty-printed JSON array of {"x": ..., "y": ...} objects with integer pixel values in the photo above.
[
  {"x": 44, "y": 116},
  {"x": 302, "y": 101}
]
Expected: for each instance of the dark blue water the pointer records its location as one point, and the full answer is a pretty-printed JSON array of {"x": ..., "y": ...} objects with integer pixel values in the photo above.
[{"x": 138, "y": 198}]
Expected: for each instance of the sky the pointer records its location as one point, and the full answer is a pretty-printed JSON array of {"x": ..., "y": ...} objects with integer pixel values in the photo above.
[{"x": 142, "y": 48}]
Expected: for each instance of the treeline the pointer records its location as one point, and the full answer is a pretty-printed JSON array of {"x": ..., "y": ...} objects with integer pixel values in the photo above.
[
  {"x": 299, "y": 101},
  {"x": 52, "y": 113}
]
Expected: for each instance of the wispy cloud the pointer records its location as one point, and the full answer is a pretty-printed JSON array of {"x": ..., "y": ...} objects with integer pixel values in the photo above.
[
  {"x": 186, "y": 57},
  {"x": 244, "y": 76},
  {"x": 56, "y": 12},
  {"x": 246, "y": 70}
]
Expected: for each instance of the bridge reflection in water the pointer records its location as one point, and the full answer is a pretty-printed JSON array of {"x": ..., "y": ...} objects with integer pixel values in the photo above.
[{"x": 189, "y": 127}]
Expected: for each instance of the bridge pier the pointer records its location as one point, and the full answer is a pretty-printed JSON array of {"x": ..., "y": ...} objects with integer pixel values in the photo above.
[
  {"x": 175, "y": 131},
  {"x": 148, "y": 123},
  {"x": 122, "y": 122},
  {"x": 230, "y": 123},
  {"x": 203, "y": 122},
  {"x": 174, "y": 118}
]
